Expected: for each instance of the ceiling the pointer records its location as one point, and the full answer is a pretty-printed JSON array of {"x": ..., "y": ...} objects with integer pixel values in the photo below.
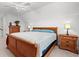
[
  {"x": 21, "y": 6},
  {"x": 64, "y": 8}
]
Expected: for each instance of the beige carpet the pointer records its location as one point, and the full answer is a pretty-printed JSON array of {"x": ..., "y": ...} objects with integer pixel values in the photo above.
[
  {"x": 62, "y": 53},
  {"x": 4, "y": 52},
  {"x": 56, "y": 52}
]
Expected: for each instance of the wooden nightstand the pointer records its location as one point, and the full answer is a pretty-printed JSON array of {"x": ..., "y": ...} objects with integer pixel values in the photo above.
[{"x": 68, "y": 42}]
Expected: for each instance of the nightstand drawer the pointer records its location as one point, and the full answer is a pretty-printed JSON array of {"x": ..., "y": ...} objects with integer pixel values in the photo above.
[
  {"x": 67, "y": 43},
  {"x": 67, "y": 38}
]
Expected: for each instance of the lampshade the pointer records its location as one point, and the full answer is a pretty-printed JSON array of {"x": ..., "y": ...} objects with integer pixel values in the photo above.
[
  {"x": 67, "y": 26},
  {"x": 30, "y": 27}
]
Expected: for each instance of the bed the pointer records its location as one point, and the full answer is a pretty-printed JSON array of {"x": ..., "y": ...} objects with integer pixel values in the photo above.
[{"x": 31, "y": 44}]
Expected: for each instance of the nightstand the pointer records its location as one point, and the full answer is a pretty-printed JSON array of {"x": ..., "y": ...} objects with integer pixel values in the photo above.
[{"x": 68, "y": 42}]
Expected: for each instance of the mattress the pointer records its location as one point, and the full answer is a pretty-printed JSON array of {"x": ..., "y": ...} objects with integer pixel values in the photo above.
[{"x": 43, "y": 40}]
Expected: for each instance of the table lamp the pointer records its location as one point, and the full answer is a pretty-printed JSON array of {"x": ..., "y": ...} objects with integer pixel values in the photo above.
[
  {"x": 30, "y": 28},
  {"x": 67, "y": 26}
]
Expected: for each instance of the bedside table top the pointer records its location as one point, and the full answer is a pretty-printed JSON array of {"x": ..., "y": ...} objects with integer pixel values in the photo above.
[{"x": 70, "y": 35}]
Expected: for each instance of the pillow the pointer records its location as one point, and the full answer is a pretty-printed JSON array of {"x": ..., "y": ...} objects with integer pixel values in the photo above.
[{"x": 47, "y": 31}]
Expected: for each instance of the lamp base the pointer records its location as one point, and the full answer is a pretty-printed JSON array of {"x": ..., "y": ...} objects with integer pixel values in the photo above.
[{"x": 67, "y": 32}]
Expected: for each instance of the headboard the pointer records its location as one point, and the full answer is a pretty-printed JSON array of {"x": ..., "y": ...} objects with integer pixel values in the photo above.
[{"x": 48, "y": 28}]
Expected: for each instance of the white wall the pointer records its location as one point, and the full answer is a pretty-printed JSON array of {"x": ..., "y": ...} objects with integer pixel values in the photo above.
[
  {"x": 55, "y": 14},
  {"x": 10, "y": 15},
  {"x": 11, "y": 18}
]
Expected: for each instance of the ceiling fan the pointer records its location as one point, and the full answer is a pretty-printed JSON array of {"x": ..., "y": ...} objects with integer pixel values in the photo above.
[{"x": 20, "y": 5}]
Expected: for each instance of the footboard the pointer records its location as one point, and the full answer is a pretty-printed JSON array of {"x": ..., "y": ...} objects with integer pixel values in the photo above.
[{"x": 21, "y": 48}]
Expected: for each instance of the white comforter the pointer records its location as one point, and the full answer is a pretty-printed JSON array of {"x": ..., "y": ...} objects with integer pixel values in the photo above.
[{"x": 43, "y": 40}]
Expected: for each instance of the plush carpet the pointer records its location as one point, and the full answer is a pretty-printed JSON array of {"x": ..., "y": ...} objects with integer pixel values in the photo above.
[{"x": 57, "y": 52}]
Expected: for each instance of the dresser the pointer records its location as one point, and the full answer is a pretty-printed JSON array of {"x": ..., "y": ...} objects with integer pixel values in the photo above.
[
  {"x": 14, "y": 28},
  {"x": 68, "y": 42}
]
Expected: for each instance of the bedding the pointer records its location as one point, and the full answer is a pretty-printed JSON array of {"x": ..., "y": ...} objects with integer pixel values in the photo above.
[
  {"x": 47, "y": 31},
  {"x": 42, "y": 39}
]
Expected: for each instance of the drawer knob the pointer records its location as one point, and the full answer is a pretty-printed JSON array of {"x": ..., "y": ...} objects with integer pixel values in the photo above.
[
  {"x": 67, "y": 45},
  {"x": 67, "y": 41}
]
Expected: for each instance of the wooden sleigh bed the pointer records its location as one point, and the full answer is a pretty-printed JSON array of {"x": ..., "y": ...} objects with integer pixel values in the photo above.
[{"x": 23, "y": 48}]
